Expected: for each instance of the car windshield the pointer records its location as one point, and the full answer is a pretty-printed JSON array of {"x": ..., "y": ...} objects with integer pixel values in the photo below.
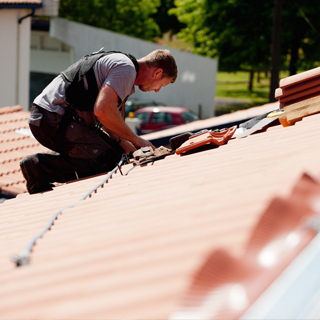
[
  {"x": 134, "y": 105},
  {"x": 189, "y": 116},
  {"x": 159, "y": 117},
  {"x": 144, "y": 117}
]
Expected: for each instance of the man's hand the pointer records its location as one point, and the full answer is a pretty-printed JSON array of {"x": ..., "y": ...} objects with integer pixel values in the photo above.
[
  {"x": 140, "y": 142},
  {"x": 127, "y": 146}
]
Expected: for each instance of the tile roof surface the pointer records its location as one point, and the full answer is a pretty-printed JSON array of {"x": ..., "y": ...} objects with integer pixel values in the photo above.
[
  {"x": 135, "y": 246},
  {"x": 226, "y": 286},
  {"x": 14, "y": 146}
]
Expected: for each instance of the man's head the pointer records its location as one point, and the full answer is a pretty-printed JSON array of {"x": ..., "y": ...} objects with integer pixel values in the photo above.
[
  {"x": 164, "y": 60},
  {"x": 157, "y": 69}
]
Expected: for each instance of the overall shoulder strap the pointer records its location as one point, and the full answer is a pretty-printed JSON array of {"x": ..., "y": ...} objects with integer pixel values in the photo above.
[
  {"x": 131, "y": 57},
  {"x": 73, "y": 77}
]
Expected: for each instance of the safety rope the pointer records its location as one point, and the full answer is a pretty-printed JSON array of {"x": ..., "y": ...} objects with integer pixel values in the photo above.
[
  {"x": 24, "y": 257},
  {"x": 139, "y": 164}
]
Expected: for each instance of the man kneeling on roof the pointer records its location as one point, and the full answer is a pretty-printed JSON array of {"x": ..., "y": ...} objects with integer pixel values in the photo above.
[{"x": 78, "y": 115}]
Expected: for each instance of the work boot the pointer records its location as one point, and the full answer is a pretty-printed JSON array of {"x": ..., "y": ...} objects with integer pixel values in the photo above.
[{"x": 33, "y": 184}]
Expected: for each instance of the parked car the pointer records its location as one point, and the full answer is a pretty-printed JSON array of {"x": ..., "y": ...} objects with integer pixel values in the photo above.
[
  {"x": 161, "y": 117},
  {"x": 133, "y": 105}
]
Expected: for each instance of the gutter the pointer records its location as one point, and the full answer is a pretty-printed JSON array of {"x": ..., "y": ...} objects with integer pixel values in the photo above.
[
  {"x": 28, "y": 15},
  {"x": 21, "y": 6},
  {"x": 33, "y": 7}
]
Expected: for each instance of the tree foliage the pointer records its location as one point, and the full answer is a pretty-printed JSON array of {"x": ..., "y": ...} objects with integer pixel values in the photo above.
[
  {"x": 239, "y": 33},
  {"x": 301, "y": 34},
  {"x": 130, "y": 17},
  {"x": 167, "y": 22}
]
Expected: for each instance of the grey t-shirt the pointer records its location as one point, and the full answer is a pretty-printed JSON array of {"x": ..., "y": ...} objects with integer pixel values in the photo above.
[{"x": 115, "y": 69}]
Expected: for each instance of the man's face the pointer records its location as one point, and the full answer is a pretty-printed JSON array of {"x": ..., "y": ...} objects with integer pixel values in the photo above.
[{"x": 154, "y": 83}]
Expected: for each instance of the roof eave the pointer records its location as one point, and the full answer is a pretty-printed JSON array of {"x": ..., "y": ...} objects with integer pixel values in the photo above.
[{"x": 21, "y": 6}]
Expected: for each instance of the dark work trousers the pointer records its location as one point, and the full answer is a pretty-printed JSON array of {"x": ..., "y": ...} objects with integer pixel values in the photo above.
[{"x": 79, "y": 151}]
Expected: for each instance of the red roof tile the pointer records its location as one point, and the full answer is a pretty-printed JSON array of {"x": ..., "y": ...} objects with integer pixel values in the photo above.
[
  {"x": 207, "y": 137},
  {"x": 308, "y": 84},
  {"x": 299, "y": 96},
  {"x": 21, "y": 1},
  {"x": 300, "y": 77},
  {"x": 131, "y": 250},
  {"x": 295, "y": 91},
  {"x": 14, "y": 146}
]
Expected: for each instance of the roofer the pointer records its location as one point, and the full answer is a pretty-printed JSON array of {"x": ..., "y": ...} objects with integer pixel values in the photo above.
[{"x": 78, "y": 115}]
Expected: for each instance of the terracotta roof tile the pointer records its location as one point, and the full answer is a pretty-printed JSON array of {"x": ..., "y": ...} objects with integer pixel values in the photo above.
[
  {"x": 12, "y": 109},
  {"x": 300, "y": 77},
  {"x": 297, "y": 92},
  {"x": 21, "y": 1},
  {"x": 299, "y": 96},
  {"x": 308, "y": 84},
  {"x": 14, "y": 146},
  {"x": 133, "y": 248}
]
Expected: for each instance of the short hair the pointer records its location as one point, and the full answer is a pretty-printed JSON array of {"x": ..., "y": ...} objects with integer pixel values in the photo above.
[{"x": 163, "y": 58}]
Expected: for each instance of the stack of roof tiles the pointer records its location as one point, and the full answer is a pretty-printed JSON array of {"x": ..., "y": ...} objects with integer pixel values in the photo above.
[
  {"x": 299, "y": 96},
  {"x": 14, "y": 146}
]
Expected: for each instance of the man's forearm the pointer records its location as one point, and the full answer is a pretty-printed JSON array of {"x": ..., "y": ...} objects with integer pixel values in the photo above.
[
  {"x": 125, "y": 144},
  {"x": 115, "y": 126},
  {"x": 106, "y": 110}
]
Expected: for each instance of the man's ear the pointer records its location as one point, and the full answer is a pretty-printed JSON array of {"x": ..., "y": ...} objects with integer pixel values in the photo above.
[{"x": 158, "y": 73}]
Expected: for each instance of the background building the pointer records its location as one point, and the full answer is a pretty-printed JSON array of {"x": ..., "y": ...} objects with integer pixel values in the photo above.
[{"x": 33, "y": 52}]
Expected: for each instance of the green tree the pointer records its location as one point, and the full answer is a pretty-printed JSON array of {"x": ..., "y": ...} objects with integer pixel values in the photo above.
[
  {"x": 167, "y": 22},
  {"x": 236, "y": 32},
  {"x": 301, "y": 34},
  {"x": 275, "y": 49},
  {"x": 239, "y": 33},
  {"x": 130, "y": 17}
]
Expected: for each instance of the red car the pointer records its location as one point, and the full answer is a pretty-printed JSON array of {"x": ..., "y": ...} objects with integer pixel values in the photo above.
[{"x": 163, "y": 117}]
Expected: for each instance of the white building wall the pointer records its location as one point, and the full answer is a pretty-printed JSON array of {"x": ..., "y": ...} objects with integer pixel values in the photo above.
[
  {"x": 49, "y": 55},
  {"x": 49, "y": 8},
  {"x": 15, "y": 55},
  {"x": 24, "y": 30},
  {"x": 196, "y": 83}
]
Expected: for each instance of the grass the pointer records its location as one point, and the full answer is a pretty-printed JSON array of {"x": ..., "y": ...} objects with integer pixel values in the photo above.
[{"x": 234, "y": 85}]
